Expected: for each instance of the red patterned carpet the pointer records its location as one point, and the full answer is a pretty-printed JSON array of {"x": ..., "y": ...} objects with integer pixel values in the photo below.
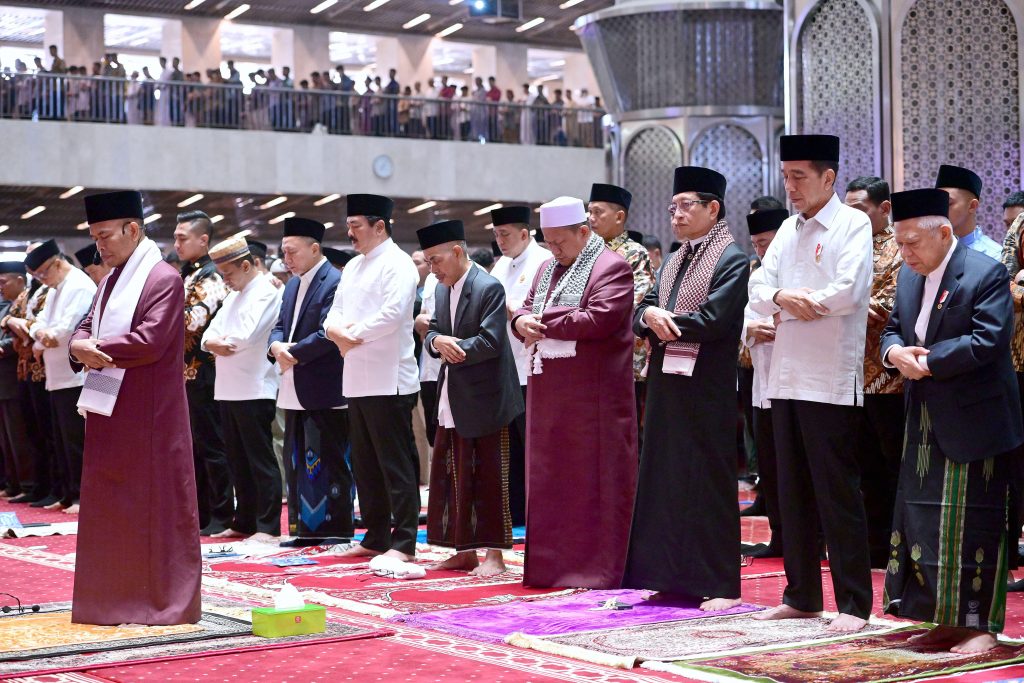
[{"x": 40, "y": 570}]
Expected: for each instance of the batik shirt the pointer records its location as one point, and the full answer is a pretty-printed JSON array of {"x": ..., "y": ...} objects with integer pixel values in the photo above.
[
  {"x": 743, "y": 360},
  {"x": 1011, "y": 259},
  {"x": 28, "y": 305},
  {"x": 204, "y": 294},
  {"x": 643, "y": 282},
  {"x": 887, "y": 263}
]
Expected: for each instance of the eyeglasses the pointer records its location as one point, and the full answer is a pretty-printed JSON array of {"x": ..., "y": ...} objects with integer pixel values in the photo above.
[
  {"x": 685, "y": 205},
  {"x": 44, "y": 271}
]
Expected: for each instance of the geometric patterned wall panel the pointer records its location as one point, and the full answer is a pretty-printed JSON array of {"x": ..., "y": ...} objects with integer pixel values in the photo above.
[
  {"x": 840, "y": 94},
  {"x": 735, "y": 153},
  {"x": 720, "y": 57},
  {"x": 650, "y": 160},
  {"x": 960, "y": 95}
]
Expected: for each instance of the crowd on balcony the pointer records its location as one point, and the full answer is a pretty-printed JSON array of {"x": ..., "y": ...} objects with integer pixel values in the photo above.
[{"x": 329, "y": 101}]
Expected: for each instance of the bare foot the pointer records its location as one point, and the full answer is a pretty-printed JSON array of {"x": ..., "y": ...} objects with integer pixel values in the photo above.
[
  {"x": 400, "y": 555},
  {"x": 493, "y": 564},
  {"x": 846, "y": 623},
  {"x": 784, "y": 612},
  {"x": 356, "y": 550},
  {"x": 463, "y": 561},
  {"x": 71, "y": 509},
  {"x": 229, "y": 533},
  {"x": 264, "y": 538},
  {"x": 940, "y": 635},
  {"x": 55, "y": 506},
  {"x": 719, "y": 604},
  {"x": 975, "y": 643}
]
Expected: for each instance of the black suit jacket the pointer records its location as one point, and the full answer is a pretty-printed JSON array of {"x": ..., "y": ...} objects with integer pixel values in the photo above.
[
  {"x": 972, "y": 393},
  {"x": 8, "y": 360},
  {"x": 318, "y": 374},
  {"x": 483, "y": 390}
]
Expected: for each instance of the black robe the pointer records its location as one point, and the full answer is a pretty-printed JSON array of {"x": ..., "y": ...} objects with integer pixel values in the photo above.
[{"x": 685, "y": 537}]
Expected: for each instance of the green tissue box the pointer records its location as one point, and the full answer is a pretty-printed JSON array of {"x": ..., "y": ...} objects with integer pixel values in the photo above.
[{"x": 278, "y": 623}]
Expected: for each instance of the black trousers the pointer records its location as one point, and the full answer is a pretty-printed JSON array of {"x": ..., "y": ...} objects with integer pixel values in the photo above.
[
  {"x": 816, "y": 450},
  {"x": 48, "y": 478},
  {"x": 428, "y": 397},
  {"x": 69, "y": 439},
  {"x": 19, "y": 447},
  {"x": 745, "y": 393},
  {"x": 881, "y": 439},
  {"x": 213, "y": 476},
  {"x": 640, "y": 398},
  {"x": 385, "y": 467},
  {"x": 517, "y": 467},
  {"x": 768, "y": 470},
  {"x": 254, "y": 469}
]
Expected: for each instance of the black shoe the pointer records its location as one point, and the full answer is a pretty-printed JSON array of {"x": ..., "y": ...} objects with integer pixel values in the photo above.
[
  {"x": 1015, "y": 586},
  {"x": 765, "y": 551},
  {"x": 211, "y": 529},
  {"x": 303, "y": 542},
  {"x": 756, "y": 509},
  {"x": 49, "y": 500}
]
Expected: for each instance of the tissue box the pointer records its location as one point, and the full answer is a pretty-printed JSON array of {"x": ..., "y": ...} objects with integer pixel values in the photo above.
[{"x": 277, "y": 623}]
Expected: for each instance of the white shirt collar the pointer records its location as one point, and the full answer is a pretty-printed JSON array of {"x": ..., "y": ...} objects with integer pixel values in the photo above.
[
  {"x": 457, "y": 287},
  {"x": 936, "y": 275},
  {"x": 307, "y": 277},
  {"x": 825, "y": 215},
  {"x": 379, "y": 249},
  {"x": 694, "y": 243},
  {"x": 518, "y": 260}
]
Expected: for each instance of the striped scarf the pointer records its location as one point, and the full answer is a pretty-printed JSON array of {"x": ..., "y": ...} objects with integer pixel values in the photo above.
[{"x": 693, "y": 290}]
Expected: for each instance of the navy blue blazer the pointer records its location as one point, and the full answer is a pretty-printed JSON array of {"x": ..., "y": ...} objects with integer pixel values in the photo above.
[
  {"x": 318, "y": 374},
  {"x": 972, "y": 393}
]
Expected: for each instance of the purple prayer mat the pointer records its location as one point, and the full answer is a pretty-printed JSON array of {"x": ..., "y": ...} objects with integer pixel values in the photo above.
[{"x": 559, "y": 616}]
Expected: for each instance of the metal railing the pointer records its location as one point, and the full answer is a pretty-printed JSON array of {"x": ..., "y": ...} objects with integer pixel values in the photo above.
[{"x": 99, "y": 99}]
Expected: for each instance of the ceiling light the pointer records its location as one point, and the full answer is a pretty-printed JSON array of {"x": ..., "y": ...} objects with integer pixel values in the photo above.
[
  {"x": 455, "y": 2},
  {"x": 32, "y": 212},
  {"x": 416, "y": 22},
  {"x": 329, "y": 224},
  {"x": 151, "y": 218},
  {"x": 84, "y": 225},
  {"x": 530, "y": 24},
  {"x": 217, "y": 219},
  {"x": 422, "y": 207},
  {"x": 569, "y": 3},
  {"x": 282, "y": 217},
  {"x": 326, "y": 200},
  {"x": 194, "y": 4},
  {"x": 71, "y": 192},
  {"x": 374, "y": 5},
  {"x": 549, "y": 77},
  {"x": 4, "y": 228},
  {"x": 243, "y": 234},
  {"x": 188, "y": 202},
  {"x": 322, "y": 6},
  {"x": 450, "y": 30},
  {"x": 489, "y": 226},
  {"x": 468, "y": 71},
  {"x": 558, "y": 62},
  {"x": 273, "y": 202},
  {"x": 488, "y": 209},
  {"x": 237, "y": 12}
]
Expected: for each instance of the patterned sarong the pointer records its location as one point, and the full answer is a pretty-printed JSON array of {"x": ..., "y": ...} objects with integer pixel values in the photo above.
[
  {"x": 468, "y": 505},
  {"x": 948, "y": 560}
]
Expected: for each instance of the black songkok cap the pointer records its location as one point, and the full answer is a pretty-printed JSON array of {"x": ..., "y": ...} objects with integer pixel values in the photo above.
[
  {"x": 304, "y": 227},
  {"x": 919, "y": 203},
  {"x": 40, "y": 254},
  {"x": 370, "y": 205},
  {"x": 88, "y": 256},
  {"x": 16, "y": 267},
  {"x": 440, "y": 233},
  {"x": 111, "y": 206},
  {"x": 507, "y": 215},
  {"x": 809, "y": 148},
  {"x": 636, "y": 236},
  {"x": 338, "y": 257},
  {"x": 496, "y": 250},
  {"x": 257, "y": 248},
  {"x": 963, "y": 178},
  {"x": 766, "y": 221},
  {"x": 613, "y": 194},
  {"x": 699, "y": 179}
]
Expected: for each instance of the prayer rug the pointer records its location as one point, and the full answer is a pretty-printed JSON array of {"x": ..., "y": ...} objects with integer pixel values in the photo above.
[
  {"x": 677, "y": 640},
  {"x": 50, "y": 633},
  {"x": 882, "y": 657},
  {"x": 559, "y": 616}
]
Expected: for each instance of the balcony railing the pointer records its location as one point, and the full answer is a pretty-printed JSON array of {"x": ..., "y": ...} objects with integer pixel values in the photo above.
[{"x": 147, "y": 102}]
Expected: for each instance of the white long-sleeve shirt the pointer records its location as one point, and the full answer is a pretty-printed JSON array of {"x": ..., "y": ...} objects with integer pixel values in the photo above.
[
  {"x": 377, "y": 295},
  {"x": 430, "y": 367},
  {"x": 760, "y": 358},
  {"x": 287, "y": 399},
  {"x": 516, "y": 276},
  {"x": 246, "y": 319},
  {"x": 65, "y": 307},
  {"x": 819, "y": 360}
]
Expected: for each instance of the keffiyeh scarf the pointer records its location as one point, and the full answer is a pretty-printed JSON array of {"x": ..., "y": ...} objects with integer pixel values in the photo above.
[{"x": 567, "y": 293}]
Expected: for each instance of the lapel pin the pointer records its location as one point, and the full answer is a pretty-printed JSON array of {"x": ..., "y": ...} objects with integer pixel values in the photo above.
[
  {"x": 817, "y": 253},
  {"x": 942, "y": 299}
]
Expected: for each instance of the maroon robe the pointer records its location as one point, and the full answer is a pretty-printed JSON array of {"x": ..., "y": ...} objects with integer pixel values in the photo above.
[
  {"x": 138, "y": 557},
  {"x": 581, "y": 448}
]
